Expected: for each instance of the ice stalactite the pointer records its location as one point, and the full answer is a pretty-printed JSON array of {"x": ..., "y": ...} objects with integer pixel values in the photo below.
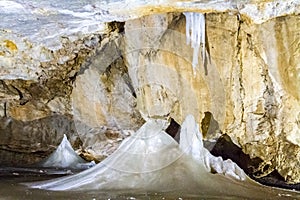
[{"x": 195, "y": 34}]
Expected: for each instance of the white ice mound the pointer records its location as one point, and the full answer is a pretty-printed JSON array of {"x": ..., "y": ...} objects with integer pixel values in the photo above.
[
  {"x": 152, "y": 160},
  {"x": 191, "y": 144},
  {"x": 65, "y": 157}
]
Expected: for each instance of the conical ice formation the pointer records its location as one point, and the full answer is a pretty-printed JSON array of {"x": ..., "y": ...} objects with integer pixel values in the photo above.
[{"x": 65, "y": 157}]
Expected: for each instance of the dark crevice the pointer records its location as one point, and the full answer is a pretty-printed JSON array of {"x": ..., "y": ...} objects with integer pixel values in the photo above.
[
  {"x": 274, "y": 179},
  {"x": 128, "y": 82},
  {"x": 209, "y": 126},
  {"x": 116, "y": 26},
  {"x": 239, "y": 61},
  {"x": 5, "y": 109},
  {"x": 174, "y": 129},
  {"x": 19, "y": 92},
  {"x": 73, "y": 78},
  {"x": 225, "y": 148},
  {"x": 22, "y": 100}
]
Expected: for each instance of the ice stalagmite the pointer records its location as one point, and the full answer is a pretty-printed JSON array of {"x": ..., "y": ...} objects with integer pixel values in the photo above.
[
  {"x": 65, "y": 157},
  {"x": 195, "y": 34}
]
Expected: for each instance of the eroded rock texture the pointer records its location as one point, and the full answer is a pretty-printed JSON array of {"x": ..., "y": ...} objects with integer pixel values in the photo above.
[
  {"x": 83, "y": 90},
  {"x": 251, "y": 87},
  {"x": 97, "y": 87},
  {"x": 36, "y": 105}
]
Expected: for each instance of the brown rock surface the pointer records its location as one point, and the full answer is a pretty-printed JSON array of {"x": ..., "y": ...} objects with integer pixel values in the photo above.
[{"x": 251, "y": 87}]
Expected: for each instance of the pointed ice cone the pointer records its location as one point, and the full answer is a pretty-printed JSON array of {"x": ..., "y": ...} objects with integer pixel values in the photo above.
[{"x": 65, "y": 157}]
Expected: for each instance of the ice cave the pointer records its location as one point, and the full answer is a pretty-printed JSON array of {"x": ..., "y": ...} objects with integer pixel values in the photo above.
[{"x": 128, "y": 99}]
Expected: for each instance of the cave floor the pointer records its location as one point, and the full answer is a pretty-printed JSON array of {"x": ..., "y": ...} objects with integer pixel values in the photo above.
[{"x": 11, "y": 187}]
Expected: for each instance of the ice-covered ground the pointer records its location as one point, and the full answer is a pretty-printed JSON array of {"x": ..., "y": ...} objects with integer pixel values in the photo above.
[{"x": 150, "y": 160}]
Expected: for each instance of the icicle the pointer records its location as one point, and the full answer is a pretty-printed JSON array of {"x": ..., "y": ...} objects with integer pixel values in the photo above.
[{"x": 195, "y": 35}]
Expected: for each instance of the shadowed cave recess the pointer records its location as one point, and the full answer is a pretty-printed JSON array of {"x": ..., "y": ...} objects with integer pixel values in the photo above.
[{"x": 101, "y": 88}]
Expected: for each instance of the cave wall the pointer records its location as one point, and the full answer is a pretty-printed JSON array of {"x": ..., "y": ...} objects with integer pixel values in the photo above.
[
  {"x": 35, "y": 88},
  {"x": 250, "y": 82},
  {"x": 111, "y": 82}
]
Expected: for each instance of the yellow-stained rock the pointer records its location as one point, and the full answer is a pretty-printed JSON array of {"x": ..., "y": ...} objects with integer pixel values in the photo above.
[
  {"x": 10, "y": 45},
  {"x": 251, "y": 87}
]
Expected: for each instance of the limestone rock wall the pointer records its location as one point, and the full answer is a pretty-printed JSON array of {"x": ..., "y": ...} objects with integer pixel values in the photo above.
[
  {"x": 36, "y": 84},
  {"x": 250, "y": 82},
  {"x": 82, "y": 90},
  {"x": 268, "y": 53}
]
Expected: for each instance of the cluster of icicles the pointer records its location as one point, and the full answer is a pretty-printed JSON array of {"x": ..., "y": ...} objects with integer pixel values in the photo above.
[
  {"x": 152, "y": 160},
  {"x": 195, "y": 35}
]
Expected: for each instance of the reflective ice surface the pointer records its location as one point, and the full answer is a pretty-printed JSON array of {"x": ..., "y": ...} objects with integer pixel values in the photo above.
[
  {"x": 150, "y": 160},
  {"x": 11, "y": 189}
]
